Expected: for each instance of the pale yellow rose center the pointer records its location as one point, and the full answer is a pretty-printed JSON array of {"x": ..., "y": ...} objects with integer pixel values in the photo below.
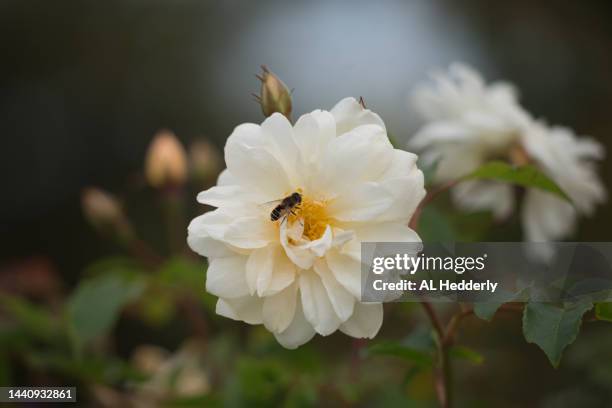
[{"x": 313, "y": 215}]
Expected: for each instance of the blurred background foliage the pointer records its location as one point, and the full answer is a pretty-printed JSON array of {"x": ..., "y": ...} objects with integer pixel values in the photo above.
[{"x": 109, "y": 298}]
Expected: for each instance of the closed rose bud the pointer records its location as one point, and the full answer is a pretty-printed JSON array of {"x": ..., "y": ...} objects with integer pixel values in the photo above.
[
  {"x": 100, "y": 207},
  {"x": 275, "y": 96},
  {"x": 104, "y": 212},
  {"x": 166, "y": 161},
  {"x": 206, "y": 161}
]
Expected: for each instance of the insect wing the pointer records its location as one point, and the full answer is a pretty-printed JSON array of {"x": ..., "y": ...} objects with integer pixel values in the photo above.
[
  {"x": 273, "y": 202},
  {"x": 270, "y": 204}
]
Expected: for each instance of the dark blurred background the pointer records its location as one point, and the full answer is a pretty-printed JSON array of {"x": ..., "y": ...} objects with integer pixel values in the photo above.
[{"x": 85, "y": 85}]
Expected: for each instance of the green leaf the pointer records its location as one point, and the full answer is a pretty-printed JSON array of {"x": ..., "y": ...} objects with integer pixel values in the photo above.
[
  {"x": 183, "y": 272},
  {"x": 525, "y": 176},
  {"x": 209, "y": 401},
  {"x": 95, "y": 305},
  {"x": 471, "y": 226},
  {"x": 435, "y": 226},
  {"x": 304, "y": 394},
  {"x": 261, "y": 382},
  {"x": 115, "y": 265},
  {"x": 603, "y": 311},
  {"x": 396, "y": 349},
  {"x": 553, "y": 327},
  {"x": 428, "y": 169},
  {"x": 465, "y": 353},
  {"x": 105, "y": 369},
  {"x": 421, "y": 338},
  {"x": 33, "y": 319},
  {"x": 487, "y": 310},
  {"x": 158, "y": 307}
]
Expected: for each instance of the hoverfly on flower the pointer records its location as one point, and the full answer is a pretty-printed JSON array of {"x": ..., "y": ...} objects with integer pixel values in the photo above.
[{"x": 286, "y": 207}]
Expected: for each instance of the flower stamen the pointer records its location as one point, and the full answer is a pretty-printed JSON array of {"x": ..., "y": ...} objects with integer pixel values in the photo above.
[{"x": 313, "y": 215}]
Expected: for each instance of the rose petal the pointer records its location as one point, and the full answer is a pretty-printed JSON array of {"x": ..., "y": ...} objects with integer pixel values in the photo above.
[
  {"x": 251, "y": 161},
  {"x": 313, "y": 132},
  {"x": 279, "y": 134},
  {"x": 226, "y": 178},
  {"x": 349, "y": 114},
  {"x": 247, "y": 309},
  {"x": 249, "y": 232},
  {"x": 299, "y": 331},
  {"x": 383, "y": 232},
  {"x": 279, "y": 309},
  {"x": 341, "y": 300},
  {"x": 229, "y": 196},
  {"x": 406, "y": 183},
  {"x": 346, "y": 270},
  {"x": 365, "y": 322},
  {"x": 226, "y": 277},
  {"x": 360, "y": 155},
  {"x": 485, "y": 195},
  {"x": 546, "y": 217},
  {"x": 268, "y": 271},
  {"x": 201, "y": 242},
  {"x": 362, "y": 202},
  {"x": 317, "y": 306}
]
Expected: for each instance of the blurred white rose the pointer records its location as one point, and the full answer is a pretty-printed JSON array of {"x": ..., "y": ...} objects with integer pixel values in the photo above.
[{"x": 468, "y": 123}]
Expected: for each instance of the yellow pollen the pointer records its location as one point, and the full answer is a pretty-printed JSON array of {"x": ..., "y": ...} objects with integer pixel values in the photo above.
[{"x": 314, "y": 217}]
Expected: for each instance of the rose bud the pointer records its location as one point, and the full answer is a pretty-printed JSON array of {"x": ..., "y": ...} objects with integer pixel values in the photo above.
[
  {"x": 166, "y": 161},
  {"x": 104, "y": 212},
  {"x": 275, "y": 96}
]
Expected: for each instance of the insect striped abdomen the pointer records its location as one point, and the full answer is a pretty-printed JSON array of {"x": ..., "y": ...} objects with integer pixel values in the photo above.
[{"x": 276, "y": 213}]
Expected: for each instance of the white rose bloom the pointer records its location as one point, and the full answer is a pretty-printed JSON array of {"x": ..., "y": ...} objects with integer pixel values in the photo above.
[
  {"x": 302, "y": 276},
  {"x": 470, "y": 123}
]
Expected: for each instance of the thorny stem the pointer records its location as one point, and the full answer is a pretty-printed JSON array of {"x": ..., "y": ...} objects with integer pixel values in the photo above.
[
  {"x": 443, "y": 370},
  {"x": 446, "y": 339},
  {"x": 445, "y": 377},
  {"x": 453, "y": 325},
  {"x": 142, "y": 251},
  {"x": 433, "y": 317},
  {"x": 172, "y": 203}
]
